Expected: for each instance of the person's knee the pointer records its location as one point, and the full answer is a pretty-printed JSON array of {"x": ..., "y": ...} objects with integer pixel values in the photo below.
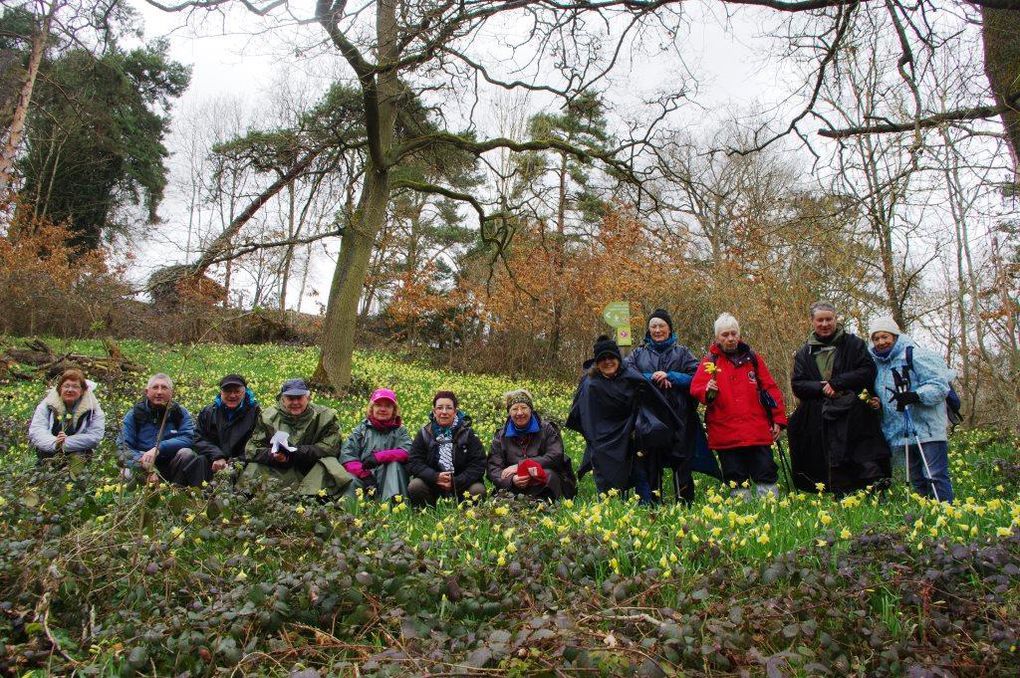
[
  {"x": 418, "y": 492},
  {"x": 477, "y": 491}
]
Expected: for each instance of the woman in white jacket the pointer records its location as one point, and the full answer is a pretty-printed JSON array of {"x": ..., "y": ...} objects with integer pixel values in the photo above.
[{"x": 69, "y": 420}]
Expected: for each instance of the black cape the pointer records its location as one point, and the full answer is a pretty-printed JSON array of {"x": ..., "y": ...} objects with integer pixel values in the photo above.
[
  {"x": 606, "y": 413},
  {"x": 836, "y": 441},
  {"x": 691, "y": 443}
]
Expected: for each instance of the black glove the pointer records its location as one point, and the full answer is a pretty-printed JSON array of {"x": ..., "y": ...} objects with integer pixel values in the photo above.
[
  {"x": 369, "y": 463},
  {"x": 905, "y": 398}
]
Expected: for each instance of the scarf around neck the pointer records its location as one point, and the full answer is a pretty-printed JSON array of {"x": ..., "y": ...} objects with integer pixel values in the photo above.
[
  {"x": 512, "y": 431},
  {"x": 384, "y": 426}
]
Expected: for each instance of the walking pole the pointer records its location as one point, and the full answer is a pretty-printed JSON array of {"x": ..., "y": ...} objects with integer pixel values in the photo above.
[
  {"x": 784, "y": 463},
  {"x": 920, "y": 449}
]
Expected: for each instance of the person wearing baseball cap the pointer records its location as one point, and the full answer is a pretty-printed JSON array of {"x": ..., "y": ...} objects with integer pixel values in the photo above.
[
  {"x": 224, "y": 427},
  {"x": 296, "y": 442},
  {"x": 375, "y": 452}
]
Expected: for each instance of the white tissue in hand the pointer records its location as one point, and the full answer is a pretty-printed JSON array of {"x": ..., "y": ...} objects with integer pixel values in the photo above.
[{"x": 279, "y": 441}]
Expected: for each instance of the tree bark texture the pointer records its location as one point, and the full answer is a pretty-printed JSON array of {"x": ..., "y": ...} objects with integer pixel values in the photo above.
[
  {"x": 1000, "y": 32},
  {"x": 12, "y": 140}
]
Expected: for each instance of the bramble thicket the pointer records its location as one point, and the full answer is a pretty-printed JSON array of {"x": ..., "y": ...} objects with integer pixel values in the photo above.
[{"x": 99, "y": 578}]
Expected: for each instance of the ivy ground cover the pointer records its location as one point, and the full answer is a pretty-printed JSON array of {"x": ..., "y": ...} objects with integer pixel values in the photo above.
[{"x": 97, "y": 578}]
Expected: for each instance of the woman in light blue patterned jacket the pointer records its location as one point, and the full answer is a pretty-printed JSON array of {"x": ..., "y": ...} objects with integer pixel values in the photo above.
[{"x": 911, "y": 388}]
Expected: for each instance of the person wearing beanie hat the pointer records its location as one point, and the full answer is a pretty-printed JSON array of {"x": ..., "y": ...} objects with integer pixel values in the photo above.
[
  {"x": 605, "y": 347},
  {"x": 884, "y": 323},
  {"x": 447, "y": 459},
  {"x": 669, "y": 366},
  {"x": 836, "y": 439},
  {"x": 296, "y": 442},
  {"x": 224, "y": 427},
  {"x": 910, "y": 392},
  {"x": 744, "y": 412},
  {"x": 621, "y": 416},
  {"x": 526, "y": 455},
  {"x": 376, "y": 451}
]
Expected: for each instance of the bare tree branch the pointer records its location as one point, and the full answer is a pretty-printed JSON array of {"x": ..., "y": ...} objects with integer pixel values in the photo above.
[{"x": 936, "y": 120}]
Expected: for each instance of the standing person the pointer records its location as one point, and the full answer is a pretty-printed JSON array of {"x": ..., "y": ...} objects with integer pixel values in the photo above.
[
  {"x": 745, "y": 412},
  {"x": 225, "y": 426},
  {"x": 69, "y": 419},
  {"x": 835, "y": 438},
  {"x": 910, "y": 391},
  {"x": 296, "y": 443},
  {"x": 376, "y": 451},
  {"x": 446, "y": 459},
  {"x": 526, "y": 455},
  {"x": 620, "y": 414},
  {"x": 670, "y": 367},
  {"x": 158, "y": 416}
]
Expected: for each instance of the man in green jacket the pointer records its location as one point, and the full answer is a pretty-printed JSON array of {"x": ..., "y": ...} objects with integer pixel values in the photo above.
[{"x": 296, "y": 443}]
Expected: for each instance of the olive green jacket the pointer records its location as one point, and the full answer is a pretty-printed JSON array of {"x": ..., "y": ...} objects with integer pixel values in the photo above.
[{"x": 315, "y": 434}]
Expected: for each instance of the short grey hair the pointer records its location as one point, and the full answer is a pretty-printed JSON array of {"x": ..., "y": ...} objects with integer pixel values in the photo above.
[
  {"x": 159, "y": 376},
  {"x": 821, "y": 306},
  {"x": 726, "y": 321}
]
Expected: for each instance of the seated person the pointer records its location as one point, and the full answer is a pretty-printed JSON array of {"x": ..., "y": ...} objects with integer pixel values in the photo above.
[
  {"x": 296, "y": 443},
  {"x": 69, "y": 419},
  {"x": 526, "y": 456},
  {"x": 224, "y": 427},
  {"x": 157, "y": 417},
  {"x": 376, "y": 451},
  {"x": 446, "y": 458}
]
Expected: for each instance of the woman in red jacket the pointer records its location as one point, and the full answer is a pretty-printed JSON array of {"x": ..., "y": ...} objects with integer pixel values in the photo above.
[{"x": 745, "y": 412}]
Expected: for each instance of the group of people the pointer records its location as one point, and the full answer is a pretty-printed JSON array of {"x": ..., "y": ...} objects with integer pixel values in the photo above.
[
  {"x": 299, "y": 443},
  {"x": 857, "y": 405},
  {"x": 637, "y": 414}
]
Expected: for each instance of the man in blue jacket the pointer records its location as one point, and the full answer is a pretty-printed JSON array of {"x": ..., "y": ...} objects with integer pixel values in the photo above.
[{"x": 157, "y": 436}]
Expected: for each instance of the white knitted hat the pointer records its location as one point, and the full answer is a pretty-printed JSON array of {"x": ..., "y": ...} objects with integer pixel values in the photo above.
[{"x": 884, "y": 323}]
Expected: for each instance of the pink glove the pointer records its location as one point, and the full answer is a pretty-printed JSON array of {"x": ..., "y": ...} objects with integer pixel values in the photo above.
[
  {"x": 389, "y": 456},
  {"x": 355, "y": 469}
]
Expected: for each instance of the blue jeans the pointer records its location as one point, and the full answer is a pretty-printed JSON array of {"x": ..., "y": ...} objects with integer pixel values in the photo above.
[{"x": 936, "y": 453}]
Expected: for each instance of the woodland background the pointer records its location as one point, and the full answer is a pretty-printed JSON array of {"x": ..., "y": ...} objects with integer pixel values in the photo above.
[{"x": 486, "y": 231}]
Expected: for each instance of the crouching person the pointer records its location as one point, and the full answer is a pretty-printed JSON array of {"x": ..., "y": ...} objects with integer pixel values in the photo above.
[
  {"x": 296, "y": 443},
  {"x": 446, "y": 458},
  {"x": 69, "y": 420},
  {"x": 526, "y": 456},
  {"x": 376, "y": 451},
  {"x": 157, "y": 435},
  {"x": 225, "y": 426}
]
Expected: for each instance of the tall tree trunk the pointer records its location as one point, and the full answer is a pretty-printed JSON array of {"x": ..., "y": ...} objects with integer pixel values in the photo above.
[
  {"x": 558, "y": 256},
  {"x": 9, "y": 149},
  {"x": 381, "y": 95},
  {"x": 1000, "y": 33},
  {"x": 356, "y": 245}
]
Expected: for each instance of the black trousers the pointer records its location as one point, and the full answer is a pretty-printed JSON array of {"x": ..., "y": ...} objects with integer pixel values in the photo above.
[{"x": 753, "y": 463}]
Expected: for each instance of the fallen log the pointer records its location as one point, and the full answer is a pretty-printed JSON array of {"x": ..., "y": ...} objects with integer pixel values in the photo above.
[{"x": 45, "y": 362}]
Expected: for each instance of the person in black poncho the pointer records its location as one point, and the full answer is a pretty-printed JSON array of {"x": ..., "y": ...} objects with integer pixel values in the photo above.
[
  {"x": 620, "y": 415},
  {"x": 836, "y": 439}
]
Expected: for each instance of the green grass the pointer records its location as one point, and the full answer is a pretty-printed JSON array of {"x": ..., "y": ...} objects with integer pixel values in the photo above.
[{"x": 267, "y": 584}]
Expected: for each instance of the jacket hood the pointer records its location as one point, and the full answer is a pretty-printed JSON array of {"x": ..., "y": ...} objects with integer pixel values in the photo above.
[
  {"x": 88, "y": 401},
  {"x": 896, "y": 352}
]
